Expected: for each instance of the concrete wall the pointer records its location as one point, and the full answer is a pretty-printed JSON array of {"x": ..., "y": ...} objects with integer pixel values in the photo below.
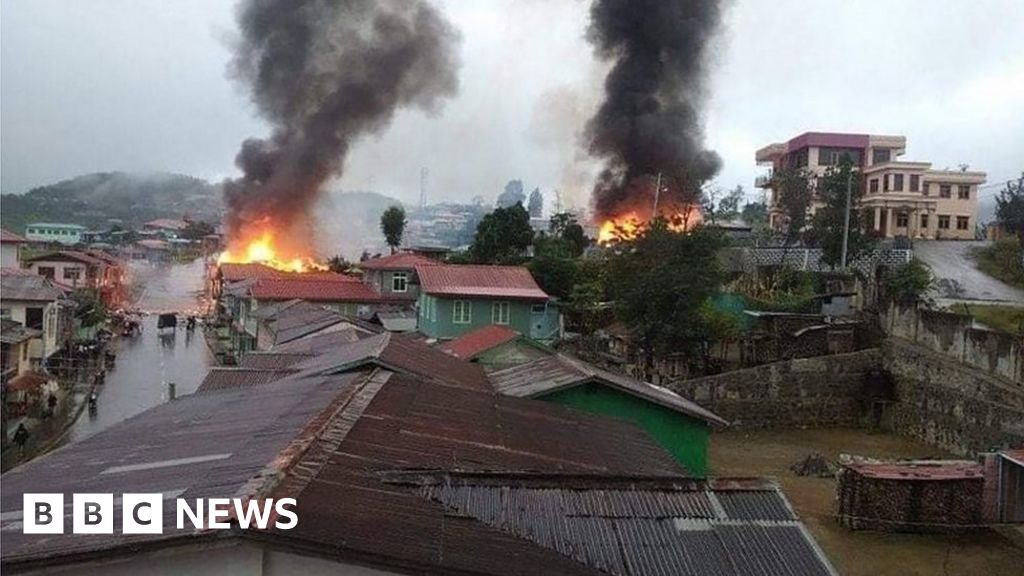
[
  {"x": 808, "y": 392},
  {"x": 998, "y": 354},
  {"x": 948, "y": 404}
]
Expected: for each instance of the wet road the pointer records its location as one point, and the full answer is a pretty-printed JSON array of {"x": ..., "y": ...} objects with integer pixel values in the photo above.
[
  {"x": 957, "y": 278},
  {"x": 146, "y": 363}
]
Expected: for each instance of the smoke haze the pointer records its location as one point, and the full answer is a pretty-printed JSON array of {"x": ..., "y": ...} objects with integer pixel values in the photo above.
[
  {"x": 650, "y": 120},
  {"x": 324, "y": 73}
]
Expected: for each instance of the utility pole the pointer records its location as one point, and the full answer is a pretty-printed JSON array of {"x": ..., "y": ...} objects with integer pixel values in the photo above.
[
  {"x": 846, "y": 219},
  {"x": 424, "y": 172},
  {"x": 657, "y": 193}
]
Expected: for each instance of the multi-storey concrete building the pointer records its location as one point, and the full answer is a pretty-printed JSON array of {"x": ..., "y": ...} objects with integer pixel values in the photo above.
[{"x": 900, "y": 198}]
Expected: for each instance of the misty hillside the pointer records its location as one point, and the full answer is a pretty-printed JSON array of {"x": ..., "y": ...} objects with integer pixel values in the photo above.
[
  {"x": 98, "y": 200},
  {"x": 350, "y": 222}
]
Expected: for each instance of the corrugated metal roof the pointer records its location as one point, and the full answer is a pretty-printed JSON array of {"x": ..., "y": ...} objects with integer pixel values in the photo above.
[
  {"x": 66, "y": 255},
  {"x": 7, "y": 237},
  {"x": 231, "y": 377},
  {"x": 661, "y": 526},
  {"x": 400, "y": 352},
  {"x": 212, "y": 444},
  {"x": 560, "y": 372},
  {"x": 320, "y": 342},
  {"x": 400, "y": 261},
  {"x": 1017, "y": 455},
  {"x": 314, "y": 289},
  {"x": 29, "y": 287},
  {"x": 478, "y": 341},
  {"x": 271, "y": 360},
  {"x": 920, "y": 470},
  {"x": 510, "y": 282},
  {"x": 27, "y": 381},
  {"x": 12, "y": 332}
]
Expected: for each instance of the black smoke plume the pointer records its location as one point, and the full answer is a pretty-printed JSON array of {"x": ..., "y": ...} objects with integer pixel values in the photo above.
[
  {"x": 650, "y": 121},
  {"x": 323, "y": 73}
]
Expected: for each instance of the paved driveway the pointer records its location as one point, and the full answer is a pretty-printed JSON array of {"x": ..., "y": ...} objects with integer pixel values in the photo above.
[{"x": 957, "y": 278}]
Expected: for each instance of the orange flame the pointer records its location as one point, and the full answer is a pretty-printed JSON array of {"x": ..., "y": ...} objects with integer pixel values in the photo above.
[
  {"x": 261, "y": 250},
  {"x": 627, "y": 226}
]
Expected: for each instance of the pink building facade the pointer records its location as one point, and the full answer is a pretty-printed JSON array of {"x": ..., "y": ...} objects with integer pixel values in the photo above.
[{"x": 901, "y": 198}]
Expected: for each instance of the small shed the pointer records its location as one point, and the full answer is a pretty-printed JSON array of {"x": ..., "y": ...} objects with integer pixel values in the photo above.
[
  {"x": 679, "y": 425},
  {"x": 1010, "y": 506},
  {"x": 495, "y": 347},
  {"x": 911, "y": 496}
]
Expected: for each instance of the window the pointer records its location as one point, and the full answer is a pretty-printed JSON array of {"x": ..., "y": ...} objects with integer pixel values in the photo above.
[
  {"x": 72, "y": 273},
  {"x": 945, "y": 191},
  {"x": 462, "y": 312},
  {"x": 924, "y": 188},
  {"x": 874, "y": 185},
  {"x": 924, "y": 221},
  {"x": 963, "y": 192},
  {"x": 538, "y": 309},
  {"x": 400, "y": 282},
  {"x": 943, "y": 222},
  {"x": 962, "y": 222},
  {"x": 833, "y": 156},
  {"x": 5, "y": 313},
  {"x": 34, "y": 318},
  {"x": 46, "y": 271},
  {"x": 500, "y": 312},
  {"x": 885, "y": 182},
  {"x": 915, "y": 182},
  {"x": 897, "y": 182},
  {"x": 880, "y": 155},
  {"x": 902, "y": 219}
]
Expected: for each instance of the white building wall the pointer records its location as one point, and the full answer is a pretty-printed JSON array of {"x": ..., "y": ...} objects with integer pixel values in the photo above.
[{"x": 9, "y": 255}]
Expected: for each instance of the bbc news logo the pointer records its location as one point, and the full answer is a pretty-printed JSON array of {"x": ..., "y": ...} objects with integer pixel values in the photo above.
[{"x": 144, "y": 513}]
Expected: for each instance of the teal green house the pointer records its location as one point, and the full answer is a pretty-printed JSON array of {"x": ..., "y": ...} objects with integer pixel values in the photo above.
[
  {"x": 456, "y": 299},
  {"x": 677, "y": 424}
]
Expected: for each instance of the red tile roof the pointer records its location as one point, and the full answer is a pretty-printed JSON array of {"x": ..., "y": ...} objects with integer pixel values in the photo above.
[
  {"x": 234, "y": 272},
  {"x": 314, "y": 289},
  {"x": 510, "y": 282},
  {"x": 481, "y": 340},
  {"x": 10, "y": 237},
  {"x": 400, "y": 261}
]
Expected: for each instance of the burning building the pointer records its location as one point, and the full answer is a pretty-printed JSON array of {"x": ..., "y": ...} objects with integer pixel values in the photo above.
[
  {"x": 323, "y": 73},
  {"x": 648, "y": 128}
]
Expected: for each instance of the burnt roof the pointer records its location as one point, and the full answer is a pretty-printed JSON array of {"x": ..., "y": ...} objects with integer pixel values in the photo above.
[{"x": 560, "y": 372}]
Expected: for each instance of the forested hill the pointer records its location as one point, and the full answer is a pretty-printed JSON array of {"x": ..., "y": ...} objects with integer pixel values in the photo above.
[{"x": 101, "y": 199}]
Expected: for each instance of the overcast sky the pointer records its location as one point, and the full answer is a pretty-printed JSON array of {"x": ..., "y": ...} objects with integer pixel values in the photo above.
[{"x": 140, "y": 85}]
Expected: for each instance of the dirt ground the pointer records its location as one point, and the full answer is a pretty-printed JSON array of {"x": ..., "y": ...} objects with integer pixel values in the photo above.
[{"x": 860, "y": 553}]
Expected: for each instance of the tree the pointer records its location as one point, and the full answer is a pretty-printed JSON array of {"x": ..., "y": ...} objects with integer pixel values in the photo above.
[
  {"x": 1010, "y": 208},
  {"x": 556, "y": 275},
  {"x": 794, "y": 189},
  {"x": 338, "y": 264},
  {"x": 729, "y": 206},
  {"x": 565, "y": 226},
  {"x": 755, "y": 214},
  {"x": 512, "y": 195},
  {"x": 908, "y": 283},
  {"x": 502, "y": 236},
  {"x": 536, "y": 204},
  {"x": 392, "y": 224},
  {"x": 658, "y": 282},
  {"x": 829, "y": 221}
]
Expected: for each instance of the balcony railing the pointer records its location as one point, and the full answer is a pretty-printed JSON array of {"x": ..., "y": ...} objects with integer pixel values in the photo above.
[{"x": 763, "y": 181}]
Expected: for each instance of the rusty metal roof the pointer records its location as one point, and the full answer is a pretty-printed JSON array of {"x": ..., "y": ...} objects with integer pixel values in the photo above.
[
  {"x": 509, "y": 282},
  {"x": 478, "y": 341},
  {"x": 31, "y": 287},
  {"x": 314, "y": 289},
  {"x": 8, "y": 237},
  {"x": 324, "y": 341},
  {"x": 920, "y": 470},
  {"x": 12, "y": 332},
  {"x": 560, "y": 372}
]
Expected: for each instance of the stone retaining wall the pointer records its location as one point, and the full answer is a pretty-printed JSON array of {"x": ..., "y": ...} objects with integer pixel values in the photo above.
[{"x": 824, "y": 391}]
